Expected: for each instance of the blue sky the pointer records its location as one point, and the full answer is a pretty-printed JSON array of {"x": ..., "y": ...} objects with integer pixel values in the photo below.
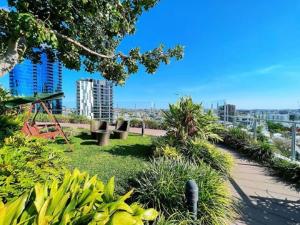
[{"x": 247, "y": 52}]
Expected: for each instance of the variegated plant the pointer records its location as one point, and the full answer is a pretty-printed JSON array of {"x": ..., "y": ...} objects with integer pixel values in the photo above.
[{"x": 77, "y": 200}]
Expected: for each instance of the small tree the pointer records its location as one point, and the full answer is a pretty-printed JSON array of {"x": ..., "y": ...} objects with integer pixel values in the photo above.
[
  {"x": 78, "y": 33},
  {"x": 4, "y": 95},
  {"x": 185, "y": 120}
]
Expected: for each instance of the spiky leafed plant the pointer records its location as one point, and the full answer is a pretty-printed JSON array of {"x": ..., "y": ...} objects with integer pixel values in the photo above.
[{"x": 185, "y": 120}]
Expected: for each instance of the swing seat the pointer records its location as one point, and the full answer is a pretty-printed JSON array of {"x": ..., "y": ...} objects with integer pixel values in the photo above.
[{"x": 30, "y": 128}]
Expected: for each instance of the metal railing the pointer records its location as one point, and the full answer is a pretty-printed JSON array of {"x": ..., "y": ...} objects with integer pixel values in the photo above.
[{"x": 251, "y": 123}]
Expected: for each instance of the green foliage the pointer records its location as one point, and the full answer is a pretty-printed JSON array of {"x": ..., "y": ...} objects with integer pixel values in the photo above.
[
  {"x": 81, "y": 33},
  {"x": 136, "y": 123},
  {"x": 243, "y": 142},
  {"x": 25, "y": 161},
  {"x": 4, "y": 95},
  {"x": 203, "y": 150},
  {"x": 276, "y": 127},
  {"x": 8, "y": 125},
  {"x": 260, "y": 135},
  {"x": 150, "y": 124},
  {"x": 79, "y": 199},
  {"x": 283, "y": 145},
  {"x": 167, "y": 151},
  {"x": 236, "y": 138},
  {"x": 162, "y": 186},
  {"x": 260, "y": 151},
  {"x": 175, "y": 219},
  {"x": 185, "y": 120},
  {"x": 153, "y": 124},
  {"x": 72, "y": 118},
  {"x": 286, "y": 170}
]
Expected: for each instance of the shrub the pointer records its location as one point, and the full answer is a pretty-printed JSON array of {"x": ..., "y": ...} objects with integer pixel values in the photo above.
[
  {"x": 24, "y": 161},
  {"x": 276, "y": 127},
  {"x": 236, "y": 138},
  {"x": 72, "y": 118},
  {"x": 185, "y": 120},
  {"x": 8, "y": 125},
  {"x": 150, "y": 124},
  {"x": 203, "y": 150},
  {"x": 153, "y": 124},
  {"x": 77, "y": 200},
  {"x": 136, "y": 123},
  {"x": 260, "y": 151},
  {"x": 167, "y": 151},
  {"x": 175, "y": 219},
  {"x": 287, "y": 170},
  {"x": 162, "y": 186},
  {"x": 240, "y": 140},
  {"x": 283, "y": 145},
  {"x": 194, "y": 150}
]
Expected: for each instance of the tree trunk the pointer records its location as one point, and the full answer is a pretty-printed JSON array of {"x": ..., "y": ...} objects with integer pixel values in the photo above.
[{"x": 10, "y": 57}]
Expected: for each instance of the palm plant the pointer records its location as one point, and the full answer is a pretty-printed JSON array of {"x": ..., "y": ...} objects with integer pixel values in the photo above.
[{"x": 185, "y": 120}]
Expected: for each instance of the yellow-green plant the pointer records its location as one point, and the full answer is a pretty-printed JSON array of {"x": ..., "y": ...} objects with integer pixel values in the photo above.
[
  {"x": 79, "y": 199},
  {"x": 24, "y": 162},
  {"x": 167, "y": 151},
  {"x": 203, "y": 150}
]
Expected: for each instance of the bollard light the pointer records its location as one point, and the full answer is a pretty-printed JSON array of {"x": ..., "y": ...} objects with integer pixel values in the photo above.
[
  {"x": 143, "y": 128},
  {"x": 191, "y": 194}
]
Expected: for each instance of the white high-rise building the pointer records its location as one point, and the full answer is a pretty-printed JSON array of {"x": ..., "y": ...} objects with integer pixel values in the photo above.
[{"x": 95, "y": 99}]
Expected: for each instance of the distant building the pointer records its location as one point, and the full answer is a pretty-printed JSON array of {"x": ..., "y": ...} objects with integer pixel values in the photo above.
[
  {"x": 227, "y": 112},
  {"x": 95, "y": 99},
  {"x": 27, "y": 79}
]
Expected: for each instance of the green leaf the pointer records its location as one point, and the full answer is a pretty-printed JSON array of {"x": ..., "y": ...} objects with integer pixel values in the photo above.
[
  {"x": 122, "y": 218},
  {"x": 109, "y": 190},
  {"x": 150, "y": 214}
]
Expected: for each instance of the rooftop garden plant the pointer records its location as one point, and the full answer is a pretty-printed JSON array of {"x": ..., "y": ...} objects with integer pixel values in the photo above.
[
  {"x": 25, "y": 161},
  {"x": 186, "y": 120},
  {"x": 162, "y": 185},
  {"x": 78, "y": 199}
]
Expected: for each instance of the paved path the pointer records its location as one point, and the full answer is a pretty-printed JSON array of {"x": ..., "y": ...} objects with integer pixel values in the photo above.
[
  {"x": 150, "y": 132},
  {"x": 263, "y": 199}
]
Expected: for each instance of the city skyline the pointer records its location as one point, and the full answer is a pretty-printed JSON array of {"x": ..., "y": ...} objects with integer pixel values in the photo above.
[{"x": 247, "y": 53}]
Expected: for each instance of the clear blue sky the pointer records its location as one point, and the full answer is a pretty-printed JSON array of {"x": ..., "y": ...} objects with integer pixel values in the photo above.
[{"x": 247, "y": 52}]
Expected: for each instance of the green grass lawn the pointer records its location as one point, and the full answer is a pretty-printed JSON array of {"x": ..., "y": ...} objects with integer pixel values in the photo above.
[{"x": 121, "y": 158}]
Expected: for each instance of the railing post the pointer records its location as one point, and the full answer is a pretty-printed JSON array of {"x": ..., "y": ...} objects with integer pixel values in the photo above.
[
  {"x": 254, "y": 129},
  {"x": 293, "y": 156},
  {"x": 143, "y": 127},
  {"x": 191, "y": 194}
]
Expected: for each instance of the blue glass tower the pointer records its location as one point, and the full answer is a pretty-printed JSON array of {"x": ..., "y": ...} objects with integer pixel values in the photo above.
[{"x": 29, "y": 78}]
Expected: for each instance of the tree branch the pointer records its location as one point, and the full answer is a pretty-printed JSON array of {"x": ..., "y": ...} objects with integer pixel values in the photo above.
[
  {"x": 10, "y": 57},
  {"x": 82, "y": 46}
]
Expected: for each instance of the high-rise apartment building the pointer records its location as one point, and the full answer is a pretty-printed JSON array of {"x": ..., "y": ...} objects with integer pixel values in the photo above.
[
  {"x": 95, "y": 99},
  {"x": 227, "y": 112},
  {"x": 28, "y": 78}
]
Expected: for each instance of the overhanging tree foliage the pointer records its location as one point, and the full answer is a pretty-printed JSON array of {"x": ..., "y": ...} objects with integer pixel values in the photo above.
[{"x": 78, "y": 33}]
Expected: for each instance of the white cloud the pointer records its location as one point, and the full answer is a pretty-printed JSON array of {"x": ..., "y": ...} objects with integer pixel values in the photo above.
[{"x": 269, "y": 69}]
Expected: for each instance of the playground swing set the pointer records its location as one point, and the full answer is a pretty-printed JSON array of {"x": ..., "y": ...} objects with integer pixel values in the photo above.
[{"x": 30, "y": 127}]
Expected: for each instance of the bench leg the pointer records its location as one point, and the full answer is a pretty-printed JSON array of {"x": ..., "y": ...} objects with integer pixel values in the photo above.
[{"x": 103, "y": 139}]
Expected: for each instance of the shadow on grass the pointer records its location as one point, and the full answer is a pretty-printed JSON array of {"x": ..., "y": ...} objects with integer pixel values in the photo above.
[
  {"x": 136, "y": 150},
  {"x": 258, "y": 210},
  {"x": 84, "y": 136},
  {"x": 60, "y": 141},
  {"x": 91, "y": 142}
]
